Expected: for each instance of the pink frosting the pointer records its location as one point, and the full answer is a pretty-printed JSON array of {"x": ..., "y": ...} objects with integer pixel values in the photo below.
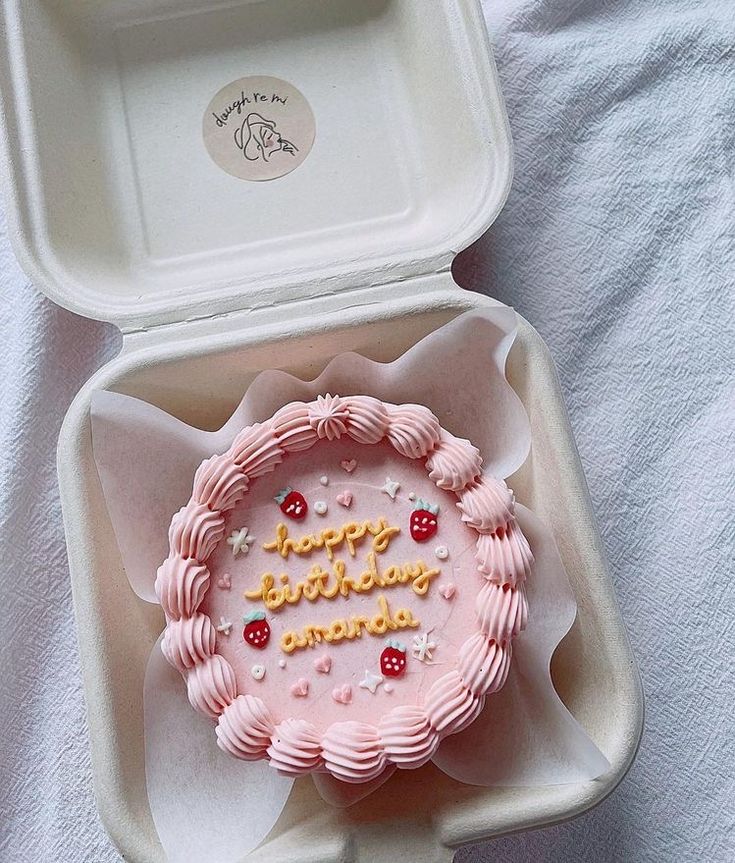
[
  {"x": 367, "y": 419},
  {"x": 195, "y": 531},
  {"x": 244, "y": 728},
  {"x": 188, "y": 641},
  {"x": 407, "y": 736},
  {"x": 180, "y": 586},
  {"x": 256, "y": 450},
  {"x": 413, "y": 430},
  {"x": 292, "y": 427},
  {"x": 454, "y": 462},
  {"x": 483, "y": 664},
  {"x": 211, "y": 685},
  {"x": 449, "y": 705},
  {"x": 487, "y": 504},
  {"x": 352, "y": 751},
  {"x": 328, "y": 415},
  {"x": 219, "y": 483},
  {"x": 295, "y": 747},
  {"x": 504, "y": 556},
  {"x": 502, "y": 611}
]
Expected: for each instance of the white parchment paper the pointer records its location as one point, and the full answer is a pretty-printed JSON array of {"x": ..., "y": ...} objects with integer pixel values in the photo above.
[{"x": 146, "y": 461}]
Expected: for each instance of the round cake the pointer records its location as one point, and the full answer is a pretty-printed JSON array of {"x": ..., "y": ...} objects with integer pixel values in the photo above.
[{"x": 343, "y": 587}]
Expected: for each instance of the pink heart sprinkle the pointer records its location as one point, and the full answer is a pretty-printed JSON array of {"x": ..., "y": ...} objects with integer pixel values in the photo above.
[
  {"x": 348, "y": 464},
  {"x": 343, "y": 694},
  {"x": 447, "y": 590},
  {"x": 323, "y": 664},
  {"x": 224, "y": 582},
  {"x": 345, "y": 498},
  {"x": 301, "y": 688}
]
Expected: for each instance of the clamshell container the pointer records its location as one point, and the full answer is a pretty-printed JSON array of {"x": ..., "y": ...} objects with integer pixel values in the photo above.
[{"x": 118, "y": 213}]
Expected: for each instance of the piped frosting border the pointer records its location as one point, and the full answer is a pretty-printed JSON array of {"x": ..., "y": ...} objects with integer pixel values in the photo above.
[{"x": 406, "y": 736}]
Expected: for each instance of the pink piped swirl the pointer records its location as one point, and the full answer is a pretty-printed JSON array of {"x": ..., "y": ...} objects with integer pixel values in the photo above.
[
  {"x": 180, "y": 586},
  {"x": 504, "y": 557},
  {"x": 449, "y": 705},
  {"x": 367, "y": 419},
  {"x": 353, "y": 752},
  {"x": 295, "y": 747},
  {"x": 188, "y": 641},
  {"x": 413, "y": 430},
  {"x": 483, "y": 664},
  {"x": 195, "y": 531},
  {"x": 328, "y": 415},
  {"x": 245, "y": 727},
  {"x": 292, "y": 427},
  {"x": 211, "y": 685},
  {"x": 502, "y": 611},
  {"x": 256, "y": 450},
  {"x": 487, "y": 504},
  {"x": 454, "y": 462},
  {"x": 407, "y": 736},
  {"x": 219, "y": 483}
]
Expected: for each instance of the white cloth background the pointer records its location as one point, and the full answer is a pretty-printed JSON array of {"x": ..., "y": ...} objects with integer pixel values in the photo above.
[{"x": 618, "y": 243}]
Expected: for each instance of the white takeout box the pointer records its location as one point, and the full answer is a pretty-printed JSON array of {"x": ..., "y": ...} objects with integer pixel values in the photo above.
[{"x": 118, "y": 213}]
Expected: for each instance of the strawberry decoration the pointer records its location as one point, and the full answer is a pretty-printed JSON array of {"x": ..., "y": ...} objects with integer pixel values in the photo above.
[
  {"x": 424, "y": 520},
  {"x": 393, "y": 659},
  {"x": 292, "y": 503},
  {"x": 257, "y": 631}
]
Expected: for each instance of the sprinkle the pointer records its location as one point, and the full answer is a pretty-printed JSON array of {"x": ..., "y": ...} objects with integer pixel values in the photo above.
[
  {"x": 300, "y": 689},
  {"x": 370, "y": 681},
  {"x": 348, "y": 464},
  {"x": 240, "y": 541},
  {"x": 345, "y": 499},
  {"x": 281, "y": 663},
  {"x": 225, "y": 626},
  {"x": 258, "y": 671},
  {"x": 412, "y": 495},
  {"x": 391, "y": 488},
  {"x": 342, "y": 694},
  {"x": 320, "y": 507},
  {"x": 323, "y": 664},
  {"x": 442, "y": 552},
  {"x": 447, "y": 590},
  {"x": 224, "y": 582},
  {"x": 422, "y": 647},
  {"x": 388, "y": 687},
  {"x": 324, "y": 480}
]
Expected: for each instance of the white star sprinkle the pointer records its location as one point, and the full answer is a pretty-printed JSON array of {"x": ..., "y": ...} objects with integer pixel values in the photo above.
[
  {"x": 225, "y": 626},
  {"x": 422, "y": 647},
  {"x": 391, "y": 488},
  {"x": 370, "y": 681},
  {"x": 240, "y": 541}
]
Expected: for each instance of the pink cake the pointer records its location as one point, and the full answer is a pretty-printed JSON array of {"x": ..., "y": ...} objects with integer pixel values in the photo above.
[{"x": 343, "y": 587}]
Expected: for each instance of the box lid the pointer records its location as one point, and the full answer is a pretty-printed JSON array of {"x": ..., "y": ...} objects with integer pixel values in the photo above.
[{"x": 119, "y": 211}]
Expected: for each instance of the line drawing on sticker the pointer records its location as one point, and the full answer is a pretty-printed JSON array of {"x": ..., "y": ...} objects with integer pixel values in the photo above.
[{"x": 259, "y": 139}]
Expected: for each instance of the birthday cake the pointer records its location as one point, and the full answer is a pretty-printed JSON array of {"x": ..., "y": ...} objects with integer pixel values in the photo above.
[{"x": 343, "y": 587}]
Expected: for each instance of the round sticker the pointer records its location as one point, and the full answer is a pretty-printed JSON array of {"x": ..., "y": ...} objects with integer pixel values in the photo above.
[{"x": 258, "y": 128}]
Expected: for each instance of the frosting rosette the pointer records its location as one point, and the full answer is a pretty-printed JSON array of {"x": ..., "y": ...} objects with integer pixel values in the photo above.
[
  {"x": 454, "y": 463},
  {"x": 180, "y": 586},
  {"x": 328, "y": 415},
  {"x": 195, "y": 531},
  {"x": 211, "y": 685},
  {"x": 504, "y": 556},
  {"x": 450, "y": 705},
  {"x": 407, "y": 736},
  {"x": 483, "y": 664},
  {"x": 367, "y": 419},
  {"x": 244, "y": 728},
  {"x": 219, "y": 483},
  {"x": 292, "y": 427},
  {"x": 188, "y": 641},
  {"x": 413, "y": 430},
  {"x": 487, "y": 504},
  {"x": 502, "y": 611},
  {"x": 295, "y": 747},
  {"x": 353, "y": 752},
  {"x": 256, "y": 450}
]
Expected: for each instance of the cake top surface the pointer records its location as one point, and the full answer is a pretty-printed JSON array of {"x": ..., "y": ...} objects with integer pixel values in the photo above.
[{"x": 343, "y": 587}]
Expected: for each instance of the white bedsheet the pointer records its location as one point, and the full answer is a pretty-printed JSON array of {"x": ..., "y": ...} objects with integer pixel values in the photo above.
[{"x": 617, "y": 242}]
